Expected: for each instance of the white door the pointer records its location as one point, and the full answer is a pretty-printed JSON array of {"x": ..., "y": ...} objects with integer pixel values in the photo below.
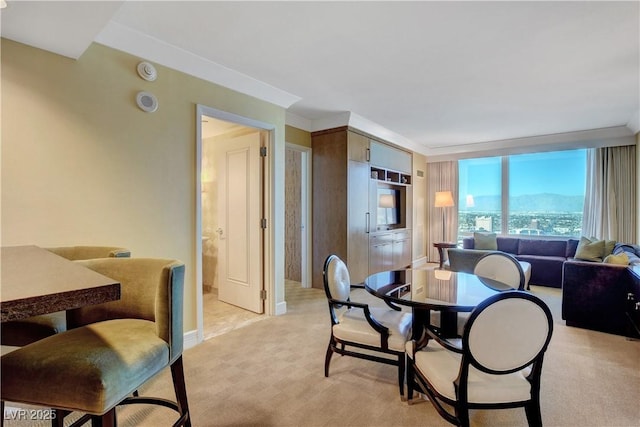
[{"x": 239, "y": 214}]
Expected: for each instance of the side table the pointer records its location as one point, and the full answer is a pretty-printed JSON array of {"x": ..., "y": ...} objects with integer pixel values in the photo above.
[{"x": 441, "y": 247}]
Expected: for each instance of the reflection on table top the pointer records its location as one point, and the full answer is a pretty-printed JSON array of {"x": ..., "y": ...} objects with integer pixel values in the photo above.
[
  {"x": 433, "y": 289},
  {"x": 36, "y": 281}
]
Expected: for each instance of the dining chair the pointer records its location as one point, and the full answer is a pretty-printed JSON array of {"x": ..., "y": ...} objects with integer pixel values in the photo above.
[
  {"x": 495, "y": 265},
  {"x": 358, "y": 330},
  {"x": 18, "y": 333},
  {"x": 502, "y": 267},
  {"x": 110, "y": 349},
  {"x": 497, "y": 364}
]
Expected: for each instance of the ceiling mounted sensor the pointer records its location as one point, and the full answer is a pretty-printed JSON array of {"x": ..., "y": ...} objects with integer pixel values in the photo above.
[
  {"x": 147, "y": 102},
  {"x": 147, "y": 71}
]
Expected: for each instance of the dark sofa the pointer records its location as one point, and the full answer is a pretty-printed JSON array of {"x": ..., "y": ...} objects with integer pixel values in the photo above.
[
  {"x": 602, "y": 296},
  {"x": 546, "y": 256}
]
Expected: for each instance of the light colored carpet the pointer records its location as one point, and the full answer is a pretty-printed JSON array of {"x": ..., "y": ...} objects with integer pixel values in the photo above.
[{"x": 270, "y": 373}]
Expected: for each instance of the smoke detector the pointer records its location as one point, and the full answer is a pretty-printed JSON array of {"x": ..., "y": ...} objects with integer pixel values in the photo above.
[{"x": 147, "y": 71}]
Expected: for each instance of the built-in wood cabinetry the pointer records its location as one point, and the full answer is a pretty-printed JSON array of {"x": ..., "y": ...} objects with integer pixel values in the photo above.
[{"x": 346, "y": 185}]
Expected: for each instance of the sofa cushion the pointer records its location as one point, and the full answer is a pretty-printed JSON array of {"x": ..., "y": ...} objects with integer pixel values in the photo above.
[
  {"x": 486, "y": 241},
  {"x": 508, "y": 244},
  {"x": 590, "y": 250},
  {"x": 552, "y": 248},
  {"x": 545, "y": 270},
  {"x": 632, "y": 252},
  {"x": 572, "y": 245},
  {"x": 621, "y": 259}
]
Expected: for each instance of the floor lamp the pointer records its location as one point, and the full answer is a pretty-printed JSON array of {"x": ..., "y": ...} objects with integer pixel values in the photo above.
[{"x": 444, "y": 199}]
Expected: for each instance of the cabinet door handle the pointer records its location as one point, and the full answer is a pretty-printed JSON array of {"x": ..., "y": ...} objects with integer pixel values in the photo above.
[
  {"x": 368, "y": 154},
  {"x": 367, "y": 217}
]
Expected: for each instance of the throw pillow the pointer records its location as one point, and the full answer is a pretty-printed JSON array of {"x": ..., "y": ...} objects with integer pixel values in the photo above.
[
  {"x": 590, "y": 250},
  {"x": 621, "y": 259},
  {"x": 486, "y": 241},
  {"x": 608, "y": 246}
]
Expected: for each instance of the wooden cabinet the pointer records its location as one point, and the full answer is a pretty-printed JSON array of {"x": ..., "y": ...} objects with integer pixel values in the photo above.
[
  {"x": 340, "y": 201},
  {"x": 389, "y": 250},
  {"x": 344, "y": 201}
]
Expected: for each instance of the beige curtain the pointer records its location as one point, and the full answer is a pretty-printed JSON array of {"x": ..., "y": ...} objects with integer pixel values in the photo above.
[
  {"x": 442, "y": 176},
  {"x": 610, "y": 197}
]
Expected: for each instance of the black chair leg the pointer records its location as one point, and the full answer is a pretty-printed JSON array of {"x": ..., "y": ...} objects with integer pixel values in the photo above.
[
  {"x": 534, "y": 416},
  {"x": 463, "y": 416},
  {"x": 106, "y": 420},
  {"x": 327, "y": 359},
  {"x": 410, "y": 384},
  {"x": 58, "y": 419},
  {"x": 177, "y": 373},
  {"x": 401, "y": 369}
]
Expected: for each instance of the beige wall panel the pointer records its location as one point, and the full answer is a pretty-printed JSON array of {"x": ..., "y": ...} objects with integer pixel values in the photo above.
[{"x": 297, "y": 136}]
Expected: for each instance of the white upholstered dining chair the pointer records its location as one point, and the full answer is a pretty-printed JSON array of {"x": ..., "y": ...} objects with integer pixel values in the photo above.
[
  {"x": 502, "y": 267},
  {"x": 497, "y": 364},
  {"x": 358, "y": 330}
]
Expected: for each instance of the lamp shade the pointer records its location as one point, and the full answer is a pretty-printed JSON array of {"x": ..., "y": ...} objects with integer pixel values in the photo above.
[
  {"x": 386, "y": 201},
  {"x": 444, "y": 199},
  {"x": 470, "y": 202}
]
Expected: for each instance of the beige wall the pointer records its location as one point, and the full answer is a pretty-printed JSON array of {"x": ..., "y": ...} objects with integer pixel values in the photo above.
[
  {"x": 81, "y": 164},
  {"x": 419, "y": 208},
  {"x": 297, "y": 136}
]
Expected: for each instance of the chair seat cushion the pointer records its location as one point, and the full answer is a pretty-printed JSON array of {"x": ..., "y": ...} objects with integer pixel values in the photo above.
[
  {"x": 526, "y": 268},
  {"x": 354, "y": 327},
  {"x": 22, "y": 332},
  {"x": 441, "y": 366},
  {"x": 90, "y": 369}
]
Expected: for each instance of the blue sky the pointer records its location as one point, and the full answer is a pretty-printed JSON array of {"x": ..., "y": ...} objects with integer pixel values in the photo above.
[{"x": 558, "y": 172}]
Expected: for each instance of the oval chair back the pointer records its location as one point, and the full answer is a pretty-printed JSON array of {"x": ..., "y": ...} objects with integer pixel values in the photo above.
[
  {"x": 502, "y": 267},
  {"x": 337, "y": 283},
  {"x": 507, "y": 332}
]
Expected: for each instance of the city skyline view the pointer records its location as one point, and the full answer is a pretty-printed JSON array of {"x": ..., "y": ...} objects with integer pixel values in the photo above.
[
  {"x": 545, "y": 193},
  {"x": 560, "y": 173}
]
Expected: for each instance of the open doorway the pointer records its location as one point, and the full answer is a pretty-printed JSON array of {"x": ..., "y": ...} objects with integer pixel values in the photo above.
[
  {"x": 231, "y": 203},
  {"x": 298, "y": 216}
]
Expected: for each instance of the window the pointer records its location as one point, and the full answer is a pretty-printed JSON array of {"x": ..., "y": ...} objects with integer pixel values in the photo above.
[
  {"x": 546, "y": 193},
  {"x": 538, "y": 194},
  {"x": 480, "y": 195}
]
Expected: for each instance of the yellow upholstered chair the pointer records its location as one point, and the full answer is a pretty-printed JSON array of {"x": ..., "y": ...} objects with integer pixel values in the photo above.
[
  {"x": 358, "y": 330},
  {"x": 18, "y": 333},
  {"x": 110, "y": 349}
]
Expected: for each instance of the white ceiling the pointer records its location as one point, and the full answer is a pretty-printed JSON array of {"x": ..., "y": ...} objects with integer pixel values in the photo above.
[{"x": 436, "y": 77}]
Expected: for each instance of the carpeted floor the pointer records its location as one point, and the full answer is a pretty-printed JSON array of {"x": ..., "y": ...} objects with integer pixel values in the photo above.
[{"x": 270, "y": 373}]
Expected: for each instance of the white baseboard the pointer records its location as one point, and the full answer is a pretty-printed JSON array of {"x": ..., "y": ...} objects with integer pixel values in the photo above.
[
  {"x": 190, "y": 339},
  {"x": 419, "y": 262},
  {"x": 281, "y": 308}
]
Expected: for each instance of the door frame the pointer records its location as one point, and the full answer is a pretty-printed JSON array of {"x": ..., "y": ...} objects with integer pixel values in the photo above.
[
  {"x": 306, "y": 187},
  {"x": 269, "y": 282}
]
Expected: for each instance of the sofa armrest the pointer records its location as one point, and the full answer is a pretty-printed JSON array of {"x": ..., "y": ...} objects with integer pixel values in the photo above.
[{"x": 594, "y": 295}]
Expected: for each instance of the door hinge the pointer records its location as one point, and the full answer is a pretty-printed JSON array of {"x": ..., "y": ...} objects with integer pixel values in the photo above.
[
  {"x": 263, "y": 151},
  {"x": 263, "y": 223},
  {"x": 263, "y": 294}
]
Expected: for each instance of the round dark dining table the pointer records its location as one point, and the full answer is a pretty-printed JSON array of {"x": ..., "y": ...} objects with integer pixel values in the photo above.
[{"x": 426, "y": 290}]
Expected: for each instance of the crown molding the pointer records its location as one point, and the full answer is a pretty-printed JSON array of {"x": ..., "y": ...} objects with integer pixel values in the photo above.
[
  {"x": 593, "y": 138},
  {"x": 123, "y": 38}
]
